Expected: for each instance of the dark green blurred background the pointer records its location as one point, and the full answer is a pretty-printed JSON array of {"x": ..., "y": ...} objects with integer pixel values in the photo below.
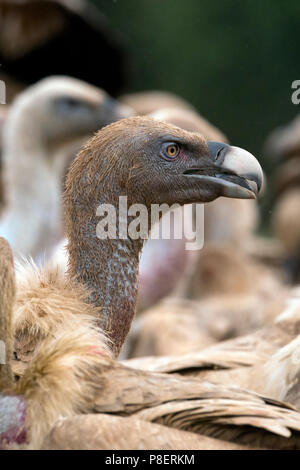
[{"x": 235, "y": 61}]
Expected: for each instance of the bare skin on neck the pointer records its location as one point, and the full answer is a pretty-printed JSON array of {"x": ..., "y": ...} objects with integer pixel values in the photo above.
[{"x": 107, "y": 268}]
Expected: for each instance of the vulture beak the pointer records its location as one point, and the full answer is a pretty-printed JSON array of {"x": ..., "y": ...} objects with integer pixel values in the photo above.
[{"x": 235, "y": 171}]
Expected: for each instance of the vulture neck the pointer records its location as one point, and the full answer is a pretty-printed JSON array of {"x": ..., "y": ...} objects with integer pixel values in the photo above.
[
  {"x": 31, "y": 187},
  {"x": 107, "y": 268}
]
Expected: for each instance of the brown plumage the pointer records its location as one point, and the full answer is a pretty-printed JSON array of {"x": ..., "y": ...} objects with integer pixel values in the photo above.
[
  {"x": 101, "y": 385},
  {"x": 12, "y": 408},
  {"x": 95, "y": 384},
  {"x": 279, "y": 376},
  {"x": 45, "y": 301},
  {"x": 227, "y": 270},
  {"x": 173, "y": 326},
  {"x": 200, "y": 407},
  {"x": 218, "y": 357},
  {"x": 51, "y": 385},
  {"x": 72, "y": 373},
  {"x": 105, "y": 432},
  {"x": 224, "y": 294},
  {"x": 264, "y": 361},
  {"x": 275, "y": 372},
  {"x": 286, "y": 227}
]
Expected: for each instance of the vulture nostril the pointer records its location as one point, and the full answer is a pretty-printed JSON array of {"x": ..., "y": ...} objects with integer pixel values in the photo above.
[
  {"x": 221, "y": 153},
  {"x": 217, "y": 151}
]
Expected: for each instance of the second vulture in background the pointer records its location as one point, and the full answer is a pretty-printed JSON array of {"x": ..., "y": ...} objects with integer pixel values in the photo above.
[{"x": 46, "y": 126}]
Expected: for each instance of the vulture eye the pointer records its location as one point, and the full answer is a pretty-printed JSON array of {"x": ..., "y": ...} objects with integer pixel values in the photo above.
[
  {"x": 67, "y": 104},
  {"x": 171, "y": 150}
]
